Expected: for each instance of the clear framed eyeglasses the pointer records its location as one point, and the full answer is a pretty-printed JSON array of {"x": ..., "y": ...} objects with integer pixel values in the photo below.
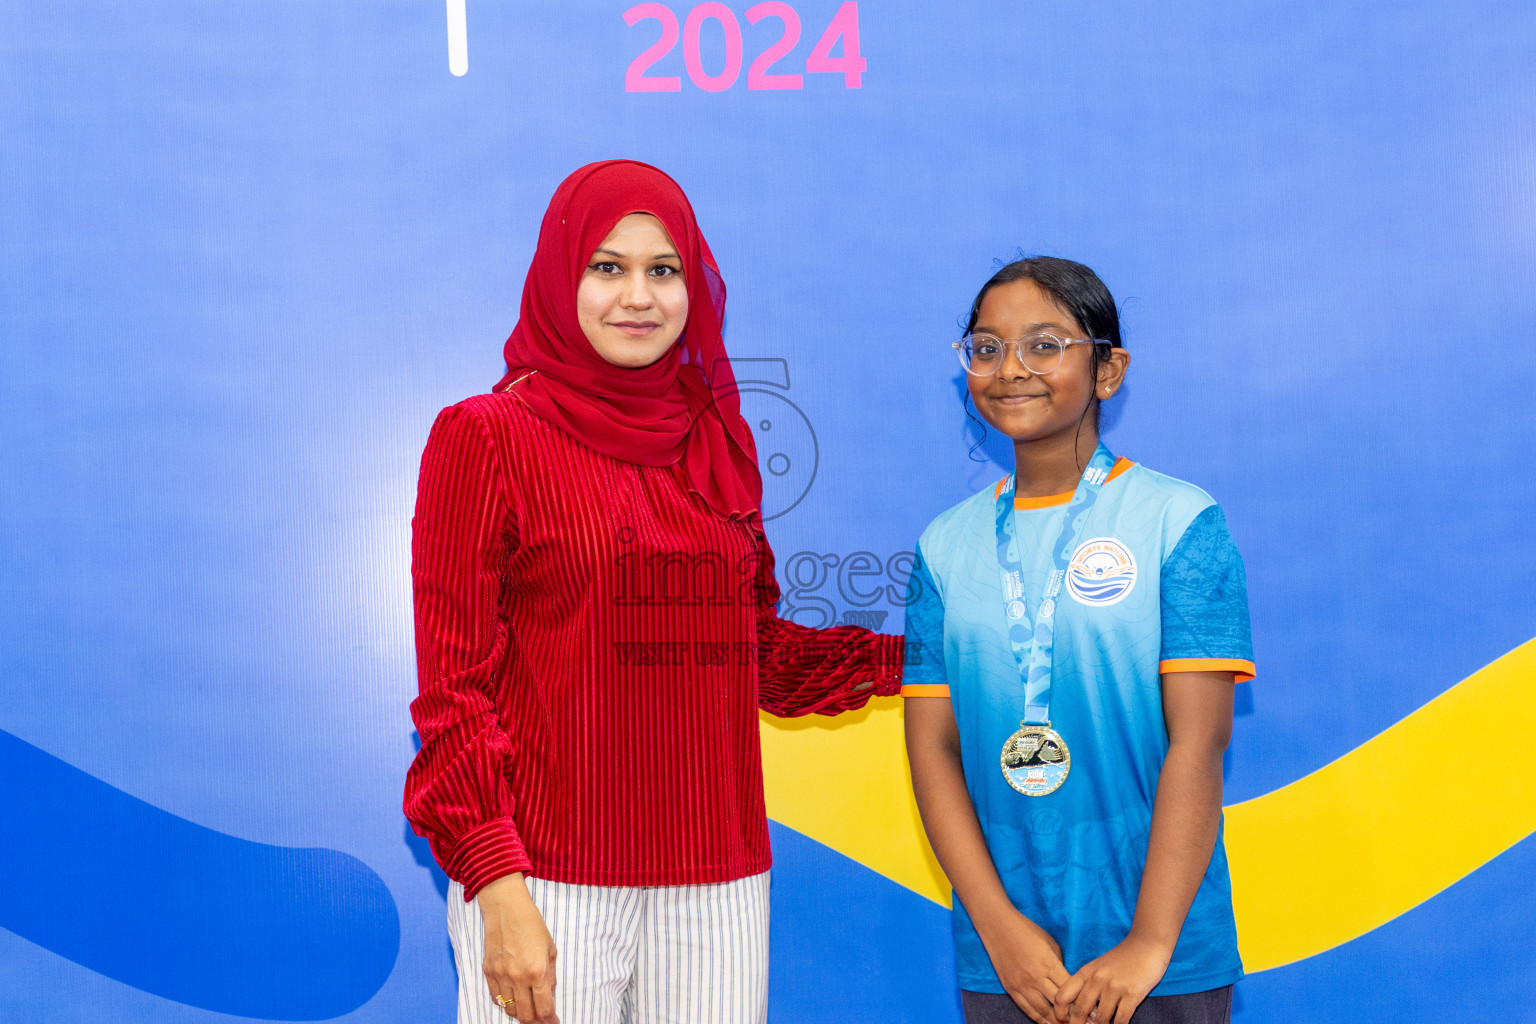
[{"x": 982, "y": 355}]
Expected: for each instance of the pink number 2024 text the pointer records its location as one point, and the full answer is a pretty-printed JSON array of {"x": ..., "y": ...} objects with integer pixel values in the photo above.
[{"x": 843, "y": 28}]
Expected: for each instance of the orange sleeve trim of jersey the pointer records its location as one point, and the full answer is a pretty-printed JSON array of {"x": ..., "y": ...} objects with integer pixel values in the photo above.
[
  {"x": 1241, "y": 670},
  {"x": 925, "y": 690}
]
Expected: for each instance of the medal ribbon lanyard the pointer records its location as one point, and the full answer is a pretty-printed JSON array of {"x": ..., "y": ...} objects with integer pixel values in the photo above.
[{"x": 1034, "y": 649}]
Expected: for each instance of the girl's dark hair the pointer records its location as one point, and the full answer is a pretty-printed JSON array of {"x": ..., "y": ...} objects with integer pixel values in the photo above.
[{"x": 1073, "y": 287}]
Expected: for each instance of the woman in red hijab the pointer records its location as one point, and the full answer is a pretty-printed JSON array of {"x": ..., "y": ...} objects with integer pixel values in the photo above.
[{"x": 595, "y": 632}]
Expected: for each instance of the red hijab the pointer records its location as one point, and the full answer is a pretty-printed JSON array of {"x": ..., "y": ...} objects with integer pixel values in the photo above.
[{"x": 683, "y": 408}]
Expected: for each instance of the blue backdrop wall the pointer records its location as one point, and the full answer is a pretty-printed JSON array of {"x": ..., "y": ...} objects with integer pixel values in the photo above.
[{"x": 250, "y": 248}]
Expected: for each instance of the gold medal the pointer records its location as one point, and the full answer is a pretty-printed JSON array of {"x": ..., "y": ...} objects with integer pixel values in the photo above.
[{"x": 1036, "y": 760}]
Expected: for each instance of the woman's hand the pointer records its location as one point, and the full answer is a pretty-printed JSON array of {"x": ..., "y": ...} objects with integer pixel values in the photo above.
[
  {"x": 519, "y": 953},
  {"x": 1112, "y": 986},
  {"x": 1028, "y": 963}
]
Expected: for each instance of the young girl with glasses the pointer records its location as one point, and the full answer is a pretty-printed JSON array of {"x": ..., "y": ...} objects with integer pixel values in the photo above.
[{"x": 1081, "y": 624}]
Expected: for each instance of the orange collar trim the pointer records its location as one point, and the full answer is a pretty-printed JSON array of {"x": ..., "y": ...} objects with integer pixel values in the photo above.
[{"x": 1052, "y": 500}]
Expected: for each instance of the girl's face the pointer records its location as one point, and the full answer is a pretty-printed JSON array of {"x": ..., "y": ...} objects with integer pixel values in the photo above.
[
  {"x": 1027, "y": 406},
  {"x": 632, "y": 302}
]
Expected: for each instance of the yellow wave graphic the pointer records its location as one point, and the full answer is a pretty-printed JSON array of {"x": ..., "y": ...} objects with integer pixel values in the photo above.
[{"x": 1315, "y": 863}]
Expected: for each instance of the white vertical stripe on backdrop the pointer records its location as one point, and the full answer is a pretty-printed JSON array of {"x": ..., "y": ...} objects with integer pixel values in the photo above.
[{"x": 458, "y": 38}]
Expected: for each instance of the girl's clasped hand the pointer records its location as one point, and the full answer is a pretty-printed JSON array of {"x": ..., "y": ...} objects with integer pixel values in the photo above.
[{"x": 1029, "y": 964}]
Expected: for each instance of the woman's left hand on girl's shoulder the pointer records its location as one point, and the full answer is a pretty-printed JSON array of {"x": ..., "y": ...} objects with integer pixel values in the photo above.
[{"x": 1109, "y": 988}]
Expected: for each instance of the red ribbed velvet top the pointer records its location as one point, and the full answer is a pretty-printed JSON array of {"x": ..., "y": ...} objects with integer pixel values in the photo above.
[{"x": 592, "y": 645}]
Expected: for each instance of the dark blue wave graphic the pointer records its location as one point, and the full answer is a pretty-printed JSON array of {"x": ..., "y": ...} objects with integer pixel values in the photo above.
[
  {"x": 193, "y": 915},
  {"x": 889, "y": 957}
]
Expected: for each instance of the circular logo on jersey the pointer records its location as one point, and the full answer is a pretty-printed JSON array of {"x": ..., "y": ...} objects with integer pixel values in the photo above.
[{"x": 1101, "y": 572}]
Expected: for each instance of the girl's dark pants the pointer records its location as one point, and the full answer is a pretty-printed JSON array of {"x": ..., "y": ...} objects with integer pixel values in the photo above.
[{"x": 1212, "y": 1007}]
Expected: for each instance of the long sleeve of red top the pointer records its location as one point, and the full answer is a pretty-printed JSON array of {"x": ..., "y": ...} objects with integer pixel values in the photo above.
[{"x": 592, "y": 645}]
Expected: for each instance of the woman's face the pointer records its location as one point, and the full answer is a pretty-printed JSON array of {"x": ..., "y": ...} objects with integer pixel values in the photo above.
[
  {"x": 1026, "y": 406},
  {"x": 632, "y": 301}
]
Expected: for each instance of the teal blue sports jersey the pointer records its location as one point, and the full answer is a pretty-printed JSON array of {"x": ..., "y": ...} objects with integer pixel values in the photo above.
[{"x": 1155, "y": 585}]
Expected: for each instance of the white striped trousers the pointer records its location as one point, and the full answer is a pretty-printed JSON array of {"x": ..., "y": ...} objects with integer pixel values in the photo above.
[{"x": 675, "y": 954}]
